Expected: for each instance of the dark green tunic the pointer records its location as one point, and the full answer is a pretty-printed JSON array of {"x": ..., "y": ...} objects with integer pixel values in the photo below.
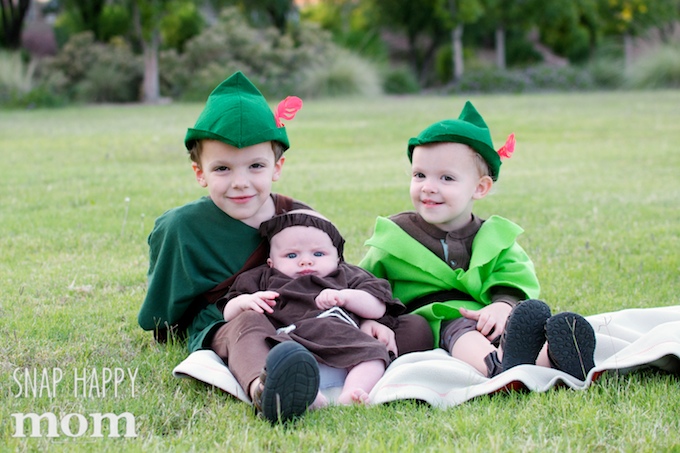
[{"x": 192, "y": 249}]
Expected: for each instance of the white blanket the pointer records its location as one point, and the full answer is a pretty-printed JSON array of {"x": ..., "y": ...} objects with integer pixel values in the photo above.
[{"x": 626, "y": 340}]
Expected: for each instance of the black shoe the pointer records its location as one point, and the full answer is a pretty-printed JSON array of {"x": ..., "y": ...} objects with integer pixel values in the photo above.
[
  {"x": 524, "y": 334},
  {"x": 571, "y": 344},
  {"x": 290, "y": 383}
]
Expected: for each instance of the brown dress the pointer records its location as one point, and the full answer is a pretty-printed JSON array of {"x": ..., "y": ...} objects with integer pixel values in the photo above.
[{"x": 334, "y": 340}]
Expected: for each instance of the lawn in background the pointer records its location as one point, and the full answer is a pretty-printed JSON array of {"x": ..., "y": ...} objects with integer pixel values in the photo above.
[{"x": 594, "y": 182}]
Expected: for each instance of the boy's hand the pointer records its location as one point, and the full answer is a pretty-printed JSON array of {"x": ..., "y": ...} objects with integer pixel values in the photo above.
[
  {"x": 381, "y": 333},
  {"x": 329, "y": 298},
  {"x": 261, "y": 301},
  {"x": 490, "y": 319}
]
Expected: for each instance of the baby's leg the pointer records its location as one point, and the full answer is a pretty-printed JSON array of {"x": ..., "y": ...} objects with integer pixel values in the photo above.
[
  {"x": 360, "y": 381},
  {"x": 472, "y": 347}
]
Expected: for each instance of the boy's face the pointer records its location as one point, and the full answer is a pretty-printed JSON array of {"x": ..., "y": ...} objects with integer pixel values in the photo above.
[
  {"x": 445, "y": 182},
  {"x": 239, "y": 180},
  {"x": 301, "y": 250}
]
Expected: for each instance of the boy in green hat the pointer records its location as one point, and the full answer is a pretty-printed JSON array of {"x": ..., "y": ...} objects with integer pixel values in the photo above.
[
  {"x": 467, "y": 276},
  {"x": 196, "y": 250}
]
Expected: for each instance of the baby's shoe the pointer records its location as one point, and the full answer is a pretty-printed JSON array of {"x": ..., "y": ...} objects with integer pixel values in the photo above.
[
  {"x": 524, "y": 334},
  {"x": 290, "y": 382},
  {"x": 571, "y": 344}
]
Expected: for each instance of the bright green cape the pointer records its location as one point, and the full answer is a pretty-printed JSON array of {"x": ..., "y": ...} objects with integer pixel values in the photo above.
[{"x": 414, "y": 271}]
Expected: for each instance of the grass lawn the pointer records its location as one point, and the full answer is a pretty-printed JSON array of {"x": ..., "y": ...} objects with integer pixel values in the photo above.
[{"x": 594, "y": 182}]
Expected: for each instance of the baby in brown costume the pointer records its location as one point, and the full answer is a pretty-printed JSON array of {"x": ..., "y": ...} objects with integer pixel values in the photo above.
[{"x": 313, "y": 297}]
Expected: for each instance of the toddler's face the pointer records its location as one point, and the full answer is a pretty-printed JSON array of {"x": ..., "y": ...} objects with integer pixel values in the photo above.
[
  {"x": 445, "y": 181},
  {"x": 301, "y": 250},
  {"x": 239, "y": 180}
]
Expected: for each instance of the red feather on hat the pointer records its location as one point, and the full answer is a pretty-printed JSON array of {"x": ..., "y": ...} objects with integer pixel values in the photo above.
[
  {"x": 287, "y": 109},
  {"x": 506, "y": 150}
]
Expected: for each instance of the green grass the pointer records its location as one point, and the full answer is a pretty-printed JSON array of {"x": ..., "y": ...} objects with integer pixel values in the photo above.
[{"x": 594, "y": 182}]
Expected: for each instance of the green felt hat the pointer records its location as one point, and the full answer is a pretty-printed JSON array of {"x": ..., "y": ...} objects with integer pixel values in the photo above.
[
  {"x": 236, "y": 113},
  {"x": 469, "y": 129}
]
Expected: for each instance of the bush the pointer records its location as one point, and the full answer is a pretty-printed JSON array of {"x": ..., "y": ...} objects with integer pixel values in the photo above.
[
  {"x": 660, "y": 69},
  {"x": 607, "y": 72},
  {"x": 553, "y": 78},
  {"x": 89, "y": 71},
  {"x": 400, "y": 80},
  {"x": 492, "y": 81},
  {"x": 343, "y": 74},
  {"x": 15, "y": 74},
  {"x": 279, "y": 65},
  {"x": 18, "y": 87},
  {"x": 535, "y": 78}
]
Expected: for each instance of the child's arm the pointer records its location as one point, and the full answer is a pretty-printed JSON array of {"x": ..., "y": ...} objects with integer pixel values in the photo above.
[
  {"x": 260, "y": 302},
  {"x": 357, "y": 301}
]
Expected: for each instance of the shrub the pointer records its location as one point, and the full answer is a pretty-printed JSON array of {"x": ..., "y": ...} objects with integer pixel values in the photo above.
[
  {"x": 492, "y": 81},
  {"x": 90, "y": 71},
  {"x": 279, "y": 65},
  {"x": 400, "y": 80},
  {"x": 535, "y": 78},
  {"x": 18, "y": 87},
  {"x": 567, "y": 78},
  {"x": 659, "y": 69},
  {"x": 343, "y": 74},
  {"x": 607, "y": 72},
  {"x": 15, "y": 74}
]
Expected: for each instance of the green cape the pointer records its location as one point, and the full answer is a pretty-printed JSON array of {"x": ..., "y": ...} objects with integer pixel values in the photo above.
[{"x": 414, "y": 271}]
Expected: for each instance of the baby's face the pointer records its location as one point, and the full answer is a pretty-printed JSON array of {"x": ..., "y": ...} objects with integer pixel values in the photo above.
[{"x": 302, "y": 250}]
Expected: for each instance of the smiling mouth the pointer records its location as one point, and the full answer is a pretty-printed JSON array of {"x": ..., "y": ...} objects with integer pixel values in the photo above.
[
  {"x": 430, "y": 202},
  {"x": 241, "y": 200}
]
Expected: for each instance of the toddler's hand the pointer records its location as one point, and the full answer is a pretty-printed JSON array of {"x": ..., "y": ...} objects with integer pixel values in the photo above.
[
  {"x": 490, "y": 319},
  {"x": 329, "y": 298},
  {"x": 261, "y": 301}
]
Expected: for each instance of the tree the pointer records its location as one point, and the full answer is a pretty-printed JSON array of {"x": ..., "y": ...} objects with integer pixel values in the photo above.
[
  {"x": 88, "y": 14},
  {"x": 263, "y": 12},
  {"x": 630, "y": 18},
  {"x": 424, "y": 23},
  {"x": 518, "y": 16},
  {"x": 460, "y": 13},
  {"x": 12, "y": 14},
  {"x": 147, "y": 16}
]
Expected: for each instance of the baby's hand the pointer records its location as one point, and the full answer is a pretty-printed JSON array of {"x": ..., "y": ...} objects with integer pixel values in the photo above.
[
  {"x": 381, "y": 333},
  {"x": 329, "y": 298},
  {"x": 261, "y": 301}
]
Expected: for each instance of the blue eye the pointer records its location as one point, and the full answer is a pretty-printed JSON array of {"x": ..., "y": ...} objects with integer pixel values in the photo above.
[
  {"x": 319, "y": 253},
  {"x": 291, "y": 255}
]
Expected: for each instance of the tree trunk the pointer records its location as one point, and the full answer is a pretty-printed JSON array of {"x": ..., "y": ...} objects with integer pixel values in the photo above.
[
  {"x": 628, "y": 52},
  {"x": 457, "y": 50},
  {"x": 151, "y": 83},
  {"x": 500, "y": 47},
  {"x": 12, "y": 17}
]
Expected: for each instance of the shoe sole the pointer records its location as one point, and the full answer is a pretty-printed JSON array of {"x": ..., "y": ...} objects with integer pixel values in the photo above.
[
  {"x": 291, "y": 382},
  {"x": 571, "y": 344},
  {"x": 524, "y": 334}
]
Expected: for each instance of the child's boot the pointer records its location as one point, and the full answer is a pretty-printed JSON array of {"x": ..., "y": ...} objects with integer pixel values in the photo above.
[
  {"x": 524, "y": 334},
  {"x": 571, "y": 344}
]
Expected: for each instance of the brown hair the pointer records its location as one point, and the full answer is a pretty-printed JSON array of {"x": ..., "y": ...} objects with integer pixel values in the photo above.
[{"x": 197, "y": 147}]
